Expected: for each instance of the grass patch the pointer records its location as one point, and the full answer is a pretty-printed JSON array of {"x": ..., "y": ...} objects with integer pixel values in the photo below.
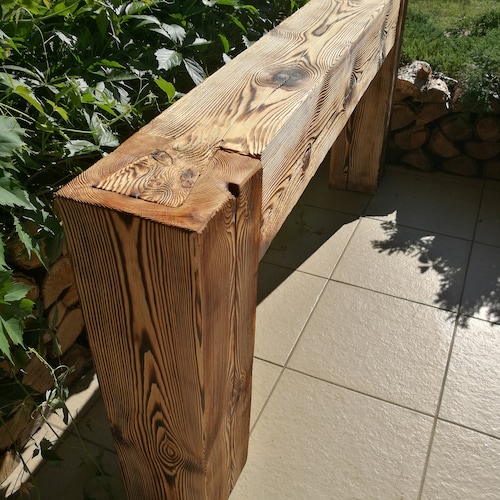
[
  {"x": 446, "y": 13},
  {"x": 461, "y": 39}
]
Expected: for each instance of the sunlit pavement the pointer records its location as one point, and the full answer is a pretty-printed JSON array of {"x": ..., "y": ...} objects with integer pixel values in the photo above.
[{"x": 377, "y": 372}]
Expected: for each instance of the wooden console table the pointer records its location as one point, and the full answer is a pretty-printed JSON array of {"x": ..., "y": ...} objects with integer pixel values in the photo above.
[{"x": 166, "y": 233}]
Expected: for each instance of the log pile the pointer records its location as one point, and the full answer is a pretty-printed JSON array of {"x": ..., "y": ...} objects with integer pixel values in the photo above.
[
  {"x": 57, "y": 311},
  {"x": 429, "y": 132}
]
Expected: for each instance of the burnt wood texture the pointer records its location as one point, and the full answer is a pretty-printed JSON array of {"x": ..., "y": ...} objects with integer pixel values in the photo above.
[{"x": 165, "y": 235}]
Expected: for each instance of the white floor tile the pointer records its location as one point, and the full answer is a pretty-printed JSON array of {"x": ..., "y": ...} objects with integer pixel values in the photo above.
[
  {"x": 313, "y": 439},
  {"x": 311, "y": 240},
  {"x": 318, "y": 441},
  {"x": 376, "y": 344},
  {"x": 264, "y": 377},
  {"x": 282, "y": 314},
  {"x": 407, "y": 263},
  {"x": 472, "y": 390},
  {"x": 463, "y": 465},
  {"x": 428, "y": 203},
  {"x": 318, "y": 194},
  {"x": 481, "y": 297},
  {"x": 488, "y": 227}
]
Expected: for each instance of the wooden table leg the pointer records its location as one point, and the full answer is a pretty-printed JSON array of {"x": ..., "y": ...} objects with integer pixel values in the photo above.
[
  {"x": 171, "y": 317},
  {"x": 358, "y": 154}
]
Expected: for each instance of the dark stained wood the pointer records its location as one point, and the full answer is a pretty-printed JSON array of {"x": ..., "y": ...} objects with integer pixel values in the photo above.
[
  {"x": 172, "y": 311},
  {"x": 165, "y": 235}
]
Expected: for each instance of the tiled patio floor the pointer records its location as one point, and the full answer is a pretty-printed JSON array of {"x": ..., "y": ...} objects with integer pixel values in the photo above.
[{"x": 377, "y": 372}]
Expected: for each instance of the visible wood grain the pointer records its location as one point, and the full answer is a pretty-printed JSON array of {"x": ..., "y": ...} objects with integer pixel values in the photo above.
[
  {"x": 401, "y": 116},
  {"x": 156, "y": 177},
  {"x": 456, "y": 128},
  {"x": 171, "y": 312},
  {"x": 165, "y": 235},
  {"x": 482, "y": 150},
  {"x": 488, "y": 128},
  {"x": 69, "y": 329},
  {"x": 284, "y": 100},
  {"x": 418, "y": 159},
  {"x": 442, "y": 146},
  {"x": 357, "y": 156}
]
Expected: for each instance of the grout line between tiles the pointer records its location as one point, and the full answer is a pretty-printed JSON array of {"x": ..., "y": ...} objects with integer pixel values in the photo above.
[
  {"x": 467, "y": 427},
  {"x": 380, "y": 218},
  {"x": 361, "y": 393},
  {"x": 452, "y": 313},
  {"x": 450, "y": 350},
  {"x": 257, "y": 418},
  {"x": 436, "y": 417},
  {"x": 318, "y": 298},
  {"x": 306, "y": 322}
]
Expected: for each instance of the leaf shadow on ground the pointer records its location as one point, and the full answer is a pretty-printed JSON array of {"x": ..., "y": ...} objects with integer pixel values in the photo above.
[
  {"x": 481, "y": 278},
  {"x": 456, "y": 262}
]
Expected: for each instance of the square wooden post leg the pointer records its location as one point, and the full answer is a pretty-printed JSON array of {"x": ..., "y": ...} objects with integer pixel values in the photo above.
[
  {"x": 358, "y": 154},
  {"x": 170, "y": 314}
]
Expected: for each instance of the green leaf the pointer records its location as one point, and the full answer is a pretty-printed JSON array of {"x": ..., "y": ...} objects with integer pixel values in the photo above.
[
  {"x": 238, "y": 23},
  {"x": 27, "y": 95},
  {"x": 145, "y": 19},
  {"x": 106, "y": 107},
  {"x": 11, "y": 136},
  {"x": 103, "y": 136},
  {"x": 3, "y": 264},
  {"x": 167, "y": 87},
  {"x": 80, "y": 147},
  {"x": 17, "y": 311},
  {"x": 12, "y": 328},
  {"x": 5, "y": 346},
  {"x": 168, "y": 59},
  {"x": 60, "y": 111},
  {"x": 225, "y": 43},
  {"x": 24, "y": 236},
  {"x": 69, "y": 40},
  {"x": 173, "y": 32},
  {"x": 195, "y": 71},
  {"x": 12, "y": 196},
  {"x": 17, "y": 292}
]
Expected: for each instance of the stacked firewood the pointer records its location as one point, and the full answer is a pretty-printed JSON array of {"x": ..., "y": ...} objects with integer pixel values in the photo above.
[
  {"x": 57, "y": 309},
  {"x": 429, "y": 130}
]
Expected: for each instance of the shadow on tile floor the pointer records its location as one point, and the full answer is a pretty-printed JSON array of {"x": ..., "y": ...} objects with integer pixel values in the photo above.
[
  {"x": 435, "y": 221},
  {"x": 313, "y": 240}
]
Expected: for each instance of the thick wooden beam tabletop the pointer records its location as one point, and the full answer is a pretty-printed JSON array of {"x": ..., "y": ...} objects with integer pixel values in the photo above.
[{"x": 284, "y": 100}]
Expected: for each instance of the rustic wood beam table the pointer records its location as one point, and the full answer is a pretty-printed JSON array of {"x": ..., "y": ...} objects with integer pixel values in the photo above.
[{"x": 165, "y": 233}]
